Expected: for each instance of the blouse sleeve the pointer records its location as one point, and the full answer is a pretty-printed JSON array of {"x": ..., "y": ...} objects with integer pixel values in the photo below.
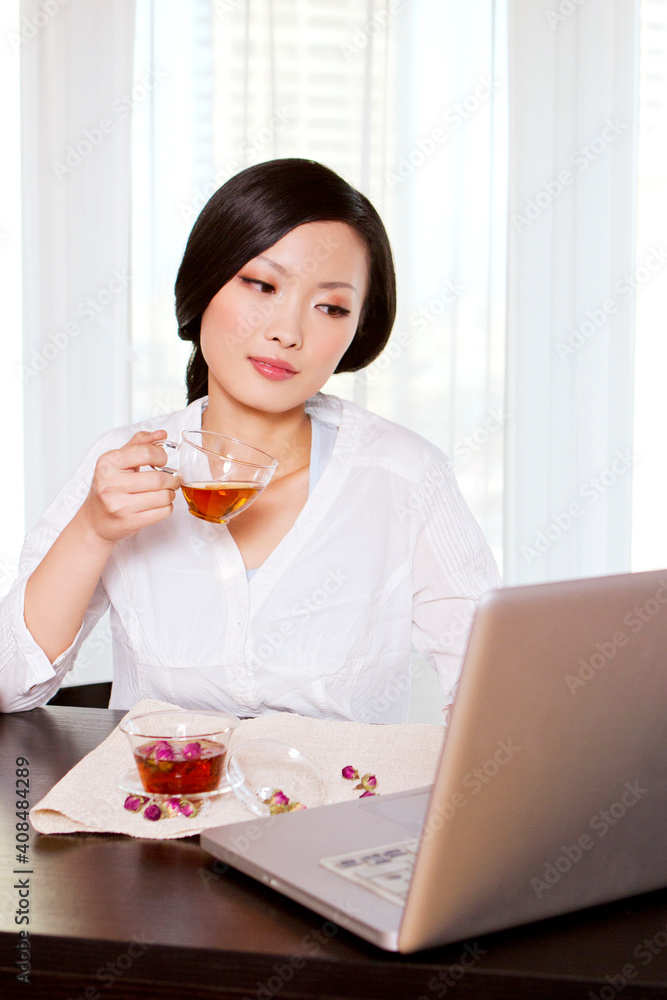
[
  {"x": 27, "y": 677},
  {"x": 453, "y": 566}
]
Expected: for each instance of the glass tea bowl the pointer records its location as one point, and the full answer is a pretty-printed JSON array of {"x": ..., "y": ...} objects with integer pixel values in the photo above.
[
  {"x": 181, "y": 751},
  {"x": 220, "y": 476},
  {"x": 268, "y": 776}
]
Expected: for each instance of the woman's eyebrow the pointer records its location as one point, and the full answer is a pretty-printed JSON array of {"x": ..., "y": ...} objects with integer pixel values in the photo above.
[
  {"x": 336, "y": 284},
  {"x": 322, "y": 284},
  {"x": 273, "y": 263}
]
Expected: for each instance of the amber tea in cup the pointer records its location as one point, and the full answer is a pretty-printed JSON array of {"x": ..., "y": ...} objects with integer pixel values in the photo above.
[
  {"x": 220, "y": 476},
  {"x": 180, "y": 751}
]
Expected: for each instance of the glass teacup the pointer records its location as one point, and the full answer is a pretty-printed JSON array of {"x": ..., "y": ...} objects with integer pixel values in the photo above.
[{"x": 220, "y": 476}]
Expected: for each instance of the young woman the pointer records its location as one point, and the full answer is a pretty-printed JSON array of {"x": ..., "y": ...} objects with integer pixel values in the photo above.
[{"x": 360, "y": 546}]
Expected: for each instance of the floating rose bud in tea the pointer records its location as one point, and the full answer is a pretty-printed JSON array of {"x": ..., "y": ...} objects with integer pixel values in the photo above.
[
  {"x": 169, "y": 769},
  {"x": 161, "y": 751}
]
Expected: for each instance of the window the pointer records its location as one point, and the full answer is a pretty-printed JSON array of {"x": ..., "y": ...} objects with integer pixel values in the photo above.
[{"x": 410, "y": 107}]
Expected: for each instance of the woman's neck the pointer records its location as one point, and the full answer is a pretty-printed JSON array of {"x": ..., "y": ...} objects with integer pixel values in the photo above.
[{"x": 285, "y": 436}]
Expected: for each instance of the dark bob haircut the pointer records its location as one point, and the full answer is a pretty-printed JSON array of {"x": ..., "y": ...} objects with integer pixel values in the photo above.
[{"x": 249, "y": 214}]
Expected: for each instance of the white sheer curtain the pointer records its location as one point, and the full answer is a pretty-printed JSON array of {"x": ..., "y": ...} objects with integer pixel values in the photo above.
[
  {"x": 572, "y": 196},
  {"x": 77, "y": 95},
  {"x": 11, "y": 385},
  {"x": 649, "y": 538}
]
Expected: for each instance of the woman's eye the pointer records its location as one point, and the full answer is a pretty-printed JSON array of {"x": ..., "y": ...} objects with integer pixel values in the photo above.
[
  {"x": 335, "y": 310},
  {"x": 261, "y": 286}
]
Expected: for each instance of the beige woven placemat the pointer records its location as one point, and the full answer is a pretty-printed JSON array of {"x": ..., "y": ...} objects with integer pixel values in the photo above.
[{"x": 88, "y": 798}]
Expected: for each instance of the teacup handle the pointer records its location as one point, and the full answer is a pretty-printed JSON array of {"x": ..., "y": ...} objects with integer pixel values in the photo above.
[{"x": 171, "y": 448}]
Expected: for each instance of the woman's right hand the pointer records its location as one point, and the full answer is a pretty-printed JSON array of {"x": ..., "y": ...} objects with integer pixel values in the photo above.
[{"x": 122, "y": 499}]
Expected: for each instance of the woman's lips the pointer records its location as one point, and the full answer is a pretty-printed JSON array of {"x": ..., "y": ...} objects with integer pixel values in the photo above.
[{"x": 273, "y": 368}]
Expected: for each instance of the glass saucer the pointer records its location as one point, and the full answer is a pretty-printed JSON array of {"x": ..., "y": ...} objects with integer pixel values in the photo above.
[
  {"x": 130, "y": 781},
  {"x": 258, "y": 768}
]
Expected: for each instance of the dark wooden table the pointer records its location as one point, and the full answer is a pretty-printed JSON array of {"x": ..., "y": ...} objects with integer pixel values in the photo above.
[{"x": 114, "y": 916}]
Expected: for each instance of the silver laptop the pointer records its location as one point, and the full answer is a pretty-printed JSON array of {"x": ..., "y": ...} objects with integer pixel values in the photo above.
[{"x": 550, "y": 794}]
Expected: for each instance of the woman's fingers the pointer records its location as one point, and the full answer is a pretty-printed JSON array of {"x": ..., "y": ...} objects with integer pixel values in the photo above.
[
  {"x": 147, "y": 481},
  {"x": 133, "y": 503},
  {"x": 124, "y": 497},
  {"x": 142, "y": 449}
]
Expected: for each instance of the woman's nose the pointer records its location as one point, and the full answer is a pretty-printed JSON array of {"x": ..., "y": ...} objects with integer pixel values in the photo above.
[{"x": 284, "y": 324}]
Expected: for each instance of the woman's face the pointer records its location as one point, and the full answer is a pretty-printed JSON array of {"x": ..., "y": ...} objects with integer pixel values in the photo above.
[{"x": 275, "y": 333}]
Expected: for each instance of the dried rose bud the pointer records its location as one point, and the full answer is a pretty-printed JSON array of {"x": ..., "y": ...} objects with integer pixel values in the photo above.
[
  {"x": 350, "y": 773},
  {"x": 276, "y": 808},
  {"x": 164, "y": 751},
  {"x": 188, "y": 808},
  {"x": 364, "y": 794},
  {"x": 278, "y": 798},
  {"x": 152, "y": 811},
  {"x": 135, "y": 802},
  {"x": 172, "y": 807},
  {"x": 368, "y": 782},
  {"x": 192, "y": 751}
]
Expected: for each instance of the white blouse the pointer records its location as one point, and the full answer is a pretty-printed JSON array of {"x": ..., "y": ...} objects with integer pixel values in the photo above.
[{"x": 384, "y": 554}]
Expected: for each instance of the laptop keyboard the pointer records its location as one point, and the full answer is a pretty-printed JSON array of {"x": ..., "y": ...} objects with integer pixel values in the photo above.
[{"x": 386, "y": 870}]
